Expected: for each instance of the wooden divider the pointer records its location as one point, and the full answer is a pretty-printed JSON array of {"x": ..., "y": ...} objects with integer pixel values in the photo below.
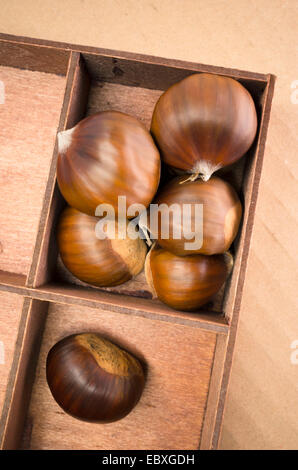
[
  {"x": 45, "y": 252},
  {"x": 21, "y": 377}
]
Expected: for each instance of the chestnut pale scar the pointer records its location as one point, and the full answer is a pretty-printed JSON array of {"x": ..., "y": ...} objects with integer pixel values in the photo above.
[
  {"x": 132, "y": 253},
  {"x": 148, "y": 273},
  {"x": 108, "y": 356}
]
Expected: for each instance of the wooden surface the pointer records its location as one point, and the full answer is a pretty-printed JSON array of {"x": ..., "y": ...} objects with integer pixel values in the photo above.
[
  {"x": 259, "y": 36},
  {"x": 10, "y": 313},
  {"x": 33, "y": 101},
  {"x": 170, "y": 412}
]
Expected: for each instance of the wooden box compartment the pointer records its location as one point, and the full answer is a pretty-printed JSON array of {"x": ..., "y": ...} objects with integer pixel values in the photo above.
[
  {"x": 11, "y": 307},
  {"x": 178, "y": 360},
  {"x": 93, "y": 80},
  {"x": 31, "y": 100}
]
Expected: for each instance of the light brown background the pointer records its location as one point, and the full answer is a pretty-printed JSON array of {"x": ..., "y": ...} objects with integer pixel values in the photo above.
[{"x": 260, "y": 36}]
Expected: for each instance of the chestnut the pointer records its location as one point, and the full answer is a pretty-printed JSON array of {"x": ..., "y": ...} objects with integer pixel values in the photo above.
[
  {"x": 185, "y": 283},
  {"x": 107, "y": 155},
  {"x": 203, "y": 123},
  {"x": 99, "y": 262},
  {"x": 215, "y": 227},
  {"x": 93, "y": 379}
]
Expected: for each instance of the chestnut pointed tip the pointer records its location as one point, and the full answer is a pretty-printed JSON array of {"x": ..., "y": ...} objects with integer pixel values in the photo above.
[
  {"x": 148, "y": 272},
  {"x": 205, "y": 177},
  {"x": 144, "y": 228},
  {"x": 204, "y": 169},
  {"x": 64, "y": 140}
]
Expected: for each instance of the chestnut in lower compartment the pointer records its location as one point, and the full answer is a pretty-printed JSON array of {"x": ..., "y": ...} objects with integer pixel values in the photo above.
[{"x": 92, "y": 379}]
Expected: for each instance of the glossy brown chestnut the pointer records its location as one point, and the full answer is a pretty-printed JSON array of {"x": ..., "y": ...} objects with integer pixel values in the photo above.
[
  {"x": 99, "y": 262},
  {"x": 93, "y": 379},
  {"x": 185, "y": 283},
  {"x": 220, "y": 219},
  {"x": 106, "y": 155},
  {"x": 203, "y": 123}
]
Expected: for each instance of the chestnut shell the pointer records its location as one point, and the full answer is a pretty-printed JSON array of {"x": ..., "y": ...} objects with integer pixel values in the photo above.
[
  {"x": 203, "y": 123},
  {"x": 185, "y": 283},
  {"x": 101, "y": 263},
  {"x": 107, "y": 155},
  {"x": 222, "y": 212},
  {"x": 92, "y": 379}
]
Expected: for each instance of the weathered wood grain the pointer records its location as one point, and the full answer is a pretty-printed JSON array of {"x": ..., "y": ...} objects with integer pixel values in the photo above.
[
  {"x": 33, "y": 57},
  {"x": 28, "y": 120},
  {"x": 136, "y": 101}
]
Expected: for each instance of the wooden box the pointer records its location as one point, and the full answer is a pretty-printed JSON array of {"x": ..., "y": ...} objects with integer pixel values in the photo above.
[{"x": 47, "y": 87}]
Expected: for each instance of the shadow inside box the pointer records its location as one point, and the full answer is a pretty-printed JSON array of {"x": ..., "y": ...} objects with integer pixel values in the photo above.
[{"x": 136, "y": 287}]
